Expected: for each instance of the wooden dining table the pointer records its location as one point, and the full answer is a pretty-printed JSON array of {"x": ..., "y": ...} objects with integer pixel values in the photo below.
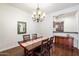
[{"x": 33, "y": 43}]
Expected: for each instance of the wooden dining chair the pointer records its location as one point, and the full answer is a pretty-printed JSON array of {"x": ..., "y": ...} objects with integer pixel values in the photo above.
[
  {"x": 50, "y": 44},
  {"x": 43, "y": 49},
  {"x": 34, "y": 36},
  {"x": 26, "y": 37}
]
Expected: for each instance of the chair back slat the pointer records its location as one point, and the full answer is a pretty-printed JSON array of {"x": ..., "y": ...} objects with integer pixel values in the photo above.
[
  {"x": 44, "y": 47},
  {"x": 26, "y": 37},
  {"x": 34, "y": 36}
]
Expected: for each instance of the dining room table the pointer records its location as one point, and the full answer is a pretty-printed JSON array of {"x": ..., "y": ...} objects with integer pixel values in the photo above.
[{"x": 29, "y": 45}]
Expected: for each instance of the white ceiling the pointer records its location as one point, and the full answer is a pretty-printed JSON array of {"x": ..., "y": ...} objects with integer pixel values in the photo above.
[{"x": 46, "y": 7}]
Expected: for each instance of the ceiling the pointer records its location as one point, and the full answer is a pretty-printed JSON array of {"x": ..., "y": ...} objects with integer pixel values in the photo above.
[{"x": 46, "y": 7}]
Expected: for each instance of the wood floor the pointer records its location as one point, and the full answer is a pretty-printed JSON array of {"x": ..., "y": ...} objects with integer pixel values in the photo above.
[
  {"x": 60, "y": 51},
  {"x": 55, "y": 51}
]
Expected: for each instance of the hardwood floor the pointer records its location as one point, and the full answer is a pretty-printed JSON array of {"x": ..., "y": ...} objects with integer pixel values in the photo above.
[
  {"x": 55, "y": 51},
  {"x": 16, "y": 51},
  {"x": 60, "y": 51}
]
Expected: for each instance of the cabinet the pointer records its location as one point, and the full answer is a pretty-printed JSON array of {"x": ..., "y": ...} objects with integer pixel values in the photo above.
[{"x": 64, "y": 41}]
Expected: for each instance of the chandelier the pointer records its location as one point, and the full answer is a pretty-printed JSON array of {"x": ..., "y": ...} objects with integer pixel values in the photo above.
[{"x": 38, "y": 15}]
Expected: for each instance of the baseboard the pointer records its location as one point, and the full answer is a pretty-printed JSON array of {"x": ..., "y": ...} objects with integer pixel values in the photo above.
[{"x": 8, "y": 48}]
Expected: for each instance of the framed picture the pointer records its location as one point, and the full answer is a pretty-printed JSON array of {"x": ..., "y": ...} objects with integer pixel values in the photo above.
[
  {"x": 21, "y": 27},
  {"x": 58, "y": 26}
]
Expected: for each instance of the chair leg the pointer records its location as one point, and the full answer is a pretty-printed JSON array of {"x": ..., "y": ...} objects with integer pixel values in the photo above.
[{"x": 49, "y": 52}]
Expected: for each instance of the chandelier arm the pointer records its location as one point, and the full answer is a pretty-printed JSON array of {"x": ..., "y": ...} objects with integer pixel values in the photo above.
[{"x": 38, "y": 16}]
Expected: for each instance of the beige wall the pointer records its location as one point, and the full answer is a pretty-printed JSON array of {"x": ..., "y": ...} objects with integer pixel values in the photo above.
[{"x": 9, "y": 16}]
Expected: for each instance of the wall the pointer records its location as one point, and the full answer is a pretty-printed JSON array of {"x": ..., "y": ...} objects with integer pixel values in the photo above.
[
  {"x": 9, "y": 16},
  {"x": 69, "y": 20},
  {"x": 77, "y": 17},
  {"x": 71, "y": 24},
  {"x": 45, "y": 27}
]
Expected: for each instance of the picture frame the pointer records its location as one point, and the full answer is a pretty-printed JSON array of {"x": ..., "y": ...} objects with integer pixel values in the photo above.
[
  {"x": 58, "y": 26},
  {"x": 21, "y": 27}
]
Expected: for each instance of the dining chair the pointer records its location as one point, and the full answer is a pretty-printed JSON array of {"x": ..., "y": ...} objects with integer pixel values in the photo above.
[
  {"x": 50, "y": 45},
  {"x": 51, "y": 42},
  {"x": 34, "y": 36},
  {"x": 43, "y": 49},
  {"x": 26, "y": 37}
]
